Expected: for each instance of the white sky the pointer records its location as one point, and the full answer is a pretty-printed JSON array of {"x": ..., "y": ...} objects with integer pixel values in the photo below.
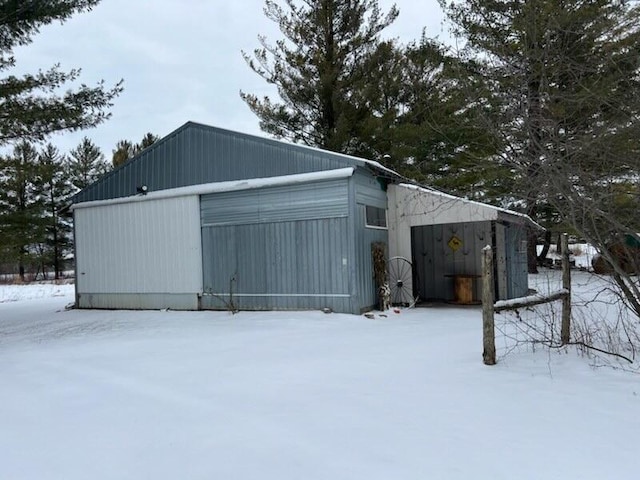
[{"x": 180, "y": 60}]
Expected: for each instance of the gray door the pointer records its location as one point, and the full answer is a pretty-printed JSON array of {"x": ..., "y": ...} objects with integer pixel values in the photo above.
[
  {"x": 441, "y": 251},
  {"x": 277, "y": 248}
]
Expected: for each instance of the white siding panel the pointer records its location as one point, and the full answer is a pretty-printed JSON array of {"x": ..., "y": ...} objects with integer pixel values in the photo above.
[
  {"x": 140, "y": 247},
  {"x": 411, "y": 207}
]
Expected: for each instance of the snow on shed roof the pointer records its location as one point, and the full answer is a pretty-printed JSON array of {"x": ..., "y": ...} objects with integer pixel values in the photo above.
[{"x": 510, "y": 214}]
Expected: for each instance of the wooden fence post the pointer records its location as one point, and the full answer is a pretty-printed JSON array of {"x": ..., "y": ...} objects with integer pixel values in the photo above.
[
  {"x": 565, "y": 331},
  {"x": 488, "y": 329}
]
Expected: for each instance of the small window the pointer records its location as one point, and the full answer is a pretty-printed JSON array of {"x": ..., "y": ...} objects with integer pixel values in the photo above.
[{"x": 376, "y": 217}]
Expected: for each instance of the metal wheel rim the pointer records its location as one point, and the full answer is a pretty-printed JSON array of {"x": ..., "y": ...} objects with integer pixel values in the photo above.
[{"x": 400, "y": 281}]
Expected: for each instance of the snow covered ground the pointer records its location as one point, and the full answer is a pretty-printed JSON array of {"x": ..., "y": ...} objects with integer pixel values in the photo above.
[
  {"x": 290, "y": 395},
  {"x": 581, "y": 253},
  {"x": 14, "y": 293}
]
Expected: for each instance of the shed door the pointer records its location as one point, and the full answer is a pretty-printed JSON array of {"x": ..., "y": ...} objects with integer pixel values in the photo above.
[{"x": 277, "y": 248}]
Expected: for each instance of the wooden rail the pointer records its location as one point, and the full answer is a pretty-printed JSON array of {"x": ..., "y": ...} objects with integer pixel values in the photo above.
[{"x": 489, "y": 307}]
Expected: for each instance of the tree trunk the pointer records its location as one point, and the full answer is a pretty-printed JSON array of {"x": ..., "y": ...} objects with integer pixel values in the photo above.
[
  {"x": 545, "y": 247},
  {"x": 533, "y": 154}
]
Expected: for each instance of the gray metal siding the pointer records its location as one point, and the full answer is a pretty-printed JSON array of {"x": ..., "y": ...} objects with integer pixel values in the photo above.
[
  {"x": 367, "y": 191},
  {"x": 367, "y": 294},
  {"x": 196, "y": 154},
  {"x": 516, "y": 254},
  {"x": 433, "y": 259},
  {"x": 284, "y": 265},
  {"x": 292, "y": 202},
  {"x": 500, "y": 251},
  {"x": 138, "y": 301},
  {"x": 286, "y": 247}
]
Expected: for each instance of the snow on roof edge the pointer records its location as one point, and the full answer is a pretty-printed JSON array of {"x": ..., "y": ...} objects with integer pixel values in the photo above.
[
  {"x": 506, "y": 211},
  {"x": 219, "y": 187}
]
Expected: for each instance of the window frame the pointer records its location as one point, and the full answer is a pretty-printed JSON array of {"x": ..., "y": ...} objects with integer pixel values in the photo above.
[{"x": 377, "y": 227}]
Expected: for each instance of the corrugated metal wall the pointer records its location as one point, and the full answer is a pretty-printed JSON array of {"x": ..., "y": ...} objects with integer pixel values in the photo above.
[
  {"x": 433, "y": 259},
  {"x": 516, "y": 254},
  {"x": 196, "y": 154},
  {"x": 148, "y": 248},
  {"x": 281, "y": 256},
  {"x": 290, "y": 202},
  {"x": 500, "y": 259},
  {"x": 367, "y": 191}
]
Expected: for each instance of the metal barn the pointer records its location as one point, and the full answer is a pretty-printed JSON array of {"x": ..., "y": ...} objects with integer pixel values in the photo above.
[{"x": 206, "y": 217}]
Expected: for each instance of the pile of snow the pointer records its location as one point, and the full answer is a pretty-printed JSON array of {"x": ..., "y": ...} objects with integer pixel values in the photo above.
[{"x": 283, "y": 395}]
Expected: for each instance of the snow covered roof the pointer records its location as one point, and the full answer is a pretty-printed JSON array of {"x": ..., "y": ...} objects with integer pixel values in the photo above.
[
  {"x": 219, "y": 187},
  {"x": 506, "y": 214}
]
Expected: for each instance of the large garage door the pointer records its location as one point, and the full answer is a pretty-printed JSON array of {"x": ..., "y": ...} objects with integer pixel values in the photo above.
[{"x": 277, "y": 248}]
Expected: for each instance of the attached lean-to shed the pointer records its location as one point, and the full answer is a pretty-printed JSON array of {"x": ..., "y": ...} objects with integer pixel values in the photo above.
[
  {"x": 208, "y": 218},
  {"x": 443, "y": 235}
]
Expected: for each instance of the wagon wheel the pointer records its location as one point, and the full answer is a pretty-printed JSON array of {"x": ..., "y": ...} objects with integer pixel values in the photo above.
[{"x": 400, "y": 281}]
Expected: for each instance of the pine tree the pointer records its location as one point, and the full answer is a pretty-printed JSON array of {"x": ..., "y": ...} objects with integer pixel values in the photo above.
[
  {"x": 148, "y": 140},
  {"x": 342, "y": 88},
  {"x": 125, "y": 149},
  {"x": 31, "y": 106},
  {"x": 21, "y": 222},
  {"x": 55, "y": 189},
  {"x": 86, "y": 164},
  {"x": 321, "y": 71},
  {"x": 435, "y": 137},
  {"x": 560, "y": 82}
]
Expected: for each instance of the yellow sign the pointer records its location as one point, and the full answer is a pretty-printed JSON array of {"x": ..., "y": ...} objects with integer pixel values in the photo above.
[{"x": 454, "y": 243}]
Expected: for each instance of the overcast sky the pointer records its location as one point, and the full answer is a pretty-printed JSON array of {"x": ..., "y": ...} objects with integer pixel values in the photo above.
[{"x": 180, "y": 60}]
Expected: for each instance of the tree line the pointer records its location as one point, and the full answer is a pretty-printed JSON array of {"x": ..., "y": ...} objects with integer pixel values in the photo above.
[
  {"x": 36, "y": 181},
  {"x": 533, "y": 105},
  {"x": 36, "y": 186}
]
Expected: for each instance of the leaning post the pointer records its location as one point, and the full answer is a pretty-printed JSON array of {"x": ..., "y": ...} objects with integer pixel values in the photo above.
[
  {"x": 565, "y": 331},
  {"x": 488, "y": 328}
]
